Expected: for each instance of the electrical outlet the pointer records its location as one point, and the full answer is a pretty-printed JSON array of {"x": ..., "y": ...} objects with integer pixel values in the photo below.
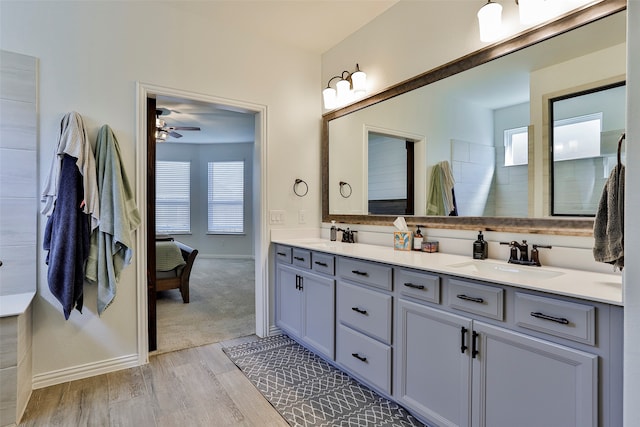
[
  {"x": 302, "y": 216},
  {"x": 276, "y": 217}
]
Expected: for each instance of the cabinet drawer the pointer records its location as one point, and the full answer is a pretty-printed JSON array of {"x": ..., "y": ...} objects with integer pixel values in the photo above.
[
  {"x": 418, "y": 285},
  {"x": 484, "y": 300},
  {"x": 563, "y": 319},
  {"x": 302, "y": 258},
  {"x": 323, "y": 263},
  {"x": 367, "y": 358},
  {"x": 283, "y": 254},
  {"x": 366, "y": 310},
  {"x": 372, "y": 274}
]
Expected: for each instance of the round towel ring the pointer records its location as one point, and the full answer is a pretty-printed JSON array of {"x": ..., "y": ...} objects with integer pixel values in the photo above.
[
  {"x": 295, "y": 187},
  {"x": 344, "y": 193}
]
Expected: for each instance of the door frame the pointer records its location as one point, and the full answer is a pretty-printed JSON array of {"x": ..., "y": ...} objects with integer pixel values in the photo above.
[{"x": 261, "y": 235}]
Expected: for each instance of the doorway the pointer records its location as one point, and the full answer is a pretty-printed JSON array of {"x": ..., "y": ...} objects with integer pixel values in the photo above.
[{"x": 147, "y": 96}]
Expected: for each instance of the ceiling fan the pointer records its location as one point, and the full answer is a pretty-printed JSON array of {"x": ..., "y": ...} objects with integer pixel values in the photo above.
[{"x": 163, "y": 131}]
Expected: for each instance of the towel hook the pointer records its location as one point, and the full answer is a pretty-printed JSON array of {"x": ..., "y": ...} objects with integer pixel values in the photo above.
[{"x": 295, "y": 187}]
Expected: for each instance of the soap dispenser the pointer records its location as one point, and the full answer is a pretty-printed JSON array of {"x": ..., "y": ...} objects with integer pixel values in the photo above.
[
  {"x": 417, "y": 239},
  {"x": 480, "y": 247},
  {"x": 334, "y": 231}
]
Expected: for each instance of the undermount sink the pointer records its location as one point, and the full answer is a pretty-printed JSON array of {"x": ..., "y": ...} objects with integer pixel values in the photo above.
[{"x": 506, "y": 270}]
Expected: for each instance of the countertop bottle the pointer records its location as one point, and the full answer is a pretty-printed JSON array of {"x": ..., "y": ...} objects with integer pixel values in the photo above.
[
  {"x": 334, "y": 232},
  {"x": 417, "y": 239},
  {"x": 480, "y": 247}
]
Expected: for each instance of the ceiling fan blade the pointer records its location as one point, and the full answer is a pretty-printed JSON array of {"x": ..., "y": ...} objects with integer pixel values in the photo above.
[
  {"x": 175, "y": 134},
  {"x": 185, "y": 128}
]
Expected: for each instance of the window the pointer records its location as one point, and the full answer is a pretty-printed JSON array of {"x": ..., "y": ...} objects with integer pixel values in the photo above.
[
  {"x": 516, "y": 146},
  {"x": 173, "y": 197},
  {"x": 577, "y": 137},
  {"x": 226, "y": 197}
]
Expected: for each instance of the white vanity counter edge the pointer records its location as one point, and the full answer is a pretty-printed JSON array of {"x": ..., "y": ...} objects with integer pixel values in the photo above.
[
  {"x": 16, "y": 304},
  {"x": 600, "y": 287}
]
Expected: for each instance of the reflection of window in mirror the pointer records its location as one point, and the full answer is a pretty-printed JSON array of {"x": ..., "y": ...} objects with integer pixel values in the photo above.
[
  {"x": 584, "y": 133},
  {"x": 516, "y": 146},
  {"x": 390, "y": 175}
]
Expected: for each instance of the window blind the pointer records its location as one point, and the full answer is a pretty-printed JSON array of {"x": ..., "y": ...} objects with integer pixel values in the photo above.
[
  {"x": 173, "y": 197},
  {"x": 226, "y": 197}
]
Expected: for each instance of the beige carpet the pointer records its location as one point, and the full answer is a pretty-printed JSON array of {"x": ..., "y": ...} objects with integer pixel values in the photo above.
[{"x": 221, "y": 307}]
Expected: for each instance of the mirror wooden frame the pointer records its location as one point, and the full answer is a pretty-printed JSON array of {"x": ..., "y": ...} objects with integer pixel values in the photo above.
[{"x": 551, "y": 225}]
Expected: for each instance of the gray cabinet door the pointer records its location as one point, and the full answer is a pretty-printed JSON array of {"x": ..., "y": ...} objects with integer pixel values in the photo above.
[
  {"x": 289, "y": 300},
  {"x": 433, "y": 371},
  {"x": 524, "y": 381},
  {"x": 319, "y": 313}
]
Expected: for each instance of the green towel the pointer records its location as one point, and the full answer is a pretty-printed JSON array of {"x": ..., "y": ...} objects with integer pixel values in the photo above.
[
  {"x": 435, "y": 203},
  {"x": 112, "y": 242}
]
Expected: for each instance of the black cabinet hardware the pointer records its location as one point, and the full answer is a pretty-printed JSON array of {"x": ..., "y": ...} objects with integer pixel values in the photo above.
[
  {"x": 463, "y": 332},
  {"x": 411, "y": 285},
  {"x": 468, "y": 298},
  {"x": 474, "y": 344},
  {"x": 357, "y": 356},
  {"x": 360, "y": 273},
  {"x": 359, "y": 310},
  {"x": 550, "y": 318},
  {"x": 299, "y": 258},
  {"x": 322, "y": 264},
  {"x": 282, "y": 254},
  {"x": 298, "y": 282}
]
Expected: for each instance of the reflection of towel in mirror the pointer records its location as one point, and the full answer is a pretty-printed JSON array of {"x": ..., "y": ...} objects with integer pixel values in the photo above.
[
  {"x": 111, "y": 244},
  {"x": 66, "y": 237},
  {"x": 441, "y": 199},
  {"x": 608, "y": 227}
]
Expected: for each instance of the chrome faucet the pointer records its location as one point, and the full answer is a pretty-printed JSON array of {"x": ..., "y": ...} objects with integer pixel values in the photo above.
[{"x": 523, "y": 247}]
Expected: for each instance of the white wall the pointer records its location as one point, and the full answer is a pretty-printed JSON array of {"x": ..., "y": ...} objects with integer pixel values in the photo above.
[
  {"x": 91, "y": 56},
  {"x": 199, "y": 155}
]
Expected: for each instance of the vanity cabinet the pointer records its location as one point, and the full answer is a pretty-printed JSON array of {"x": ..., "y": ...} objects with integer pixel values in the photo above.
[
  {"x": 364, "y": 317},
  {"x": 305, "y": 301},
  {"x": 453, "y": 350},
  {"x": 456, "y": 371}
]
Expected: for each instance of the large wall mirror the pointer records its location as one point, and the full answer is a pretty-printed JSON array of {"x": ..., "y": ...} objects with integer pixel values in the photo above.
[{"x": 484, "y": 116}]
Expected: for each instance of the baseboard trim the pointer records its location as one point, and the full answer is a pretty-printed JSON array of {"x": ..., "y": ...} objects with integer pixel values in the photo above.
[
  {"x": 274, "y": 330},
  {"x": 84, "y": 371},
  {"x": 222, "y": 256}
]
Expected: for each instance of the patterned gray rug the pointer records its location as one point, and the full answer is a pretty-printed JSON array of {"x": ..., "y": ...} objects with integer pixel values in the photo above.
[{"x": 308, "y": 391}]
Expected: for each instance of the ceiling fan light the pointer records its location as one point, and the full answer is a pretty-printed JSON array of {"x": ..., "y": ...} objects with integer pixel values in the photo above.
[
  {"x": 490, "y": 21},
  {"x": 161, "y": 135},
  {"x": 160, "y": 123}
]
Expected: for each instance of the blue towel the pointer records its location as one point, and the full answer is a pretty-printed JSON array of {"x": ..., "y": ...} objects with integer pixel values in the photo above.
[{"x": 67, "y": 237}]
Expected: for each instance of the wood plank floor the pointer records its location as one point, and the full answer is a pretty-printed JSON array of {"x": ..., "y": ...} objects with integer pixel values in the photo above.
[{"x": 199, "y": 386}]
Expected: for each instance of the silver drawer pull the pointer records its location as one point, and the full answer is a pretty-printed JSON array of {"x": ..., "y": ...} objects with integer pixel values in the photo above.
[
  {"x": 551, "y": 318},
  {"x": 322, "y": 264},
  {"x": 360, "y": 273},
  {"x": 468, "y": 298},
  {"x": 360, "y": 358},
  {"x": 411, "y": 285},
  {"x": 359, "y": 310}
]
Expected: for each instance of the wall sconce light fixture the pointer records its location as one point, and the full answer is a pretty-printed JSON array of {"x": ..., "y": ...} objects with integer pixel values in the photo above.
[
  {"x": 349, "y": 87},
  {"x": 530, "y": 12}
]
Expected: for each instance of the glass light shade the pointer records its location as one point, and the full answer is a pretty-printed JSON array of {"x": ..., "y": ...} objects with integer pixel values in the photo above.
[
  {"x": 343, "y": 87},
  {"x": 359, "y": 82},
  {"x": 329, "y": 97},
  {"x": 490, "y": 21},
  {"x": 160, "y": 123},
  {"x": 161, "y": 135},
  {"x": 533, "y": 11}
]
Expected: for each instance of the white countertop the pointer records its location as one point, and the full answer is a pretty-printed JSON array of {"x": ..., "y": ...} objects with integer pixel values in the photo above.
[
  {"x": 14, "y": 305},
  {"x": 606, "y": 288}
]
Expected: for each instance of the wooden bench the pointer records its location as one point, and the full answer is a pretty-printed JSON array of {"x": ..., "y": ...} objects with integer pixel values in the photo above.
[{"x": 178, "y": 278}]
